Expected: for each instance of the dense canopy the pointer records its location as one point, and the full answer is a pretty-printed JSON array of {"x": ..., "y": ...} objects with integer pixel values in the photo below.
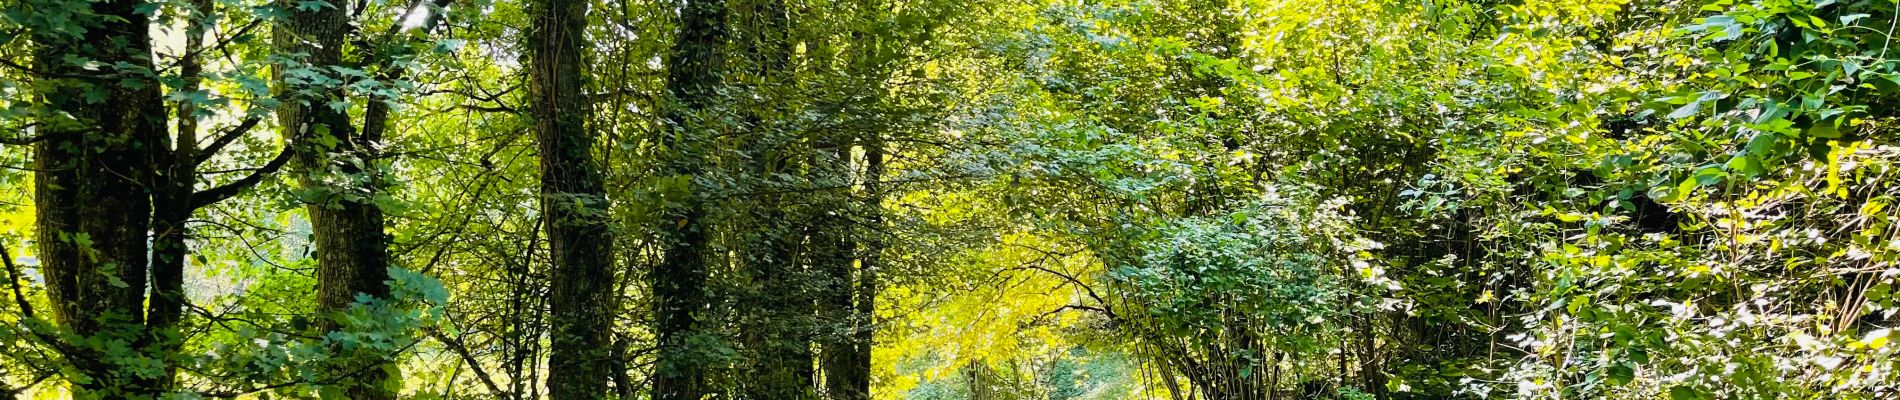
[{"x": 949, "y": 199}]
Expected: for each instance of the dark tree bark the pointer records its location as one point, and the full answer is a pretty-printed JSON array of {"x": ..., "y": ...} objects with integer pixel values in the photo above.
[
  {"x": 336, "y": 166},
  {"x": 177, "y": 171},
  {"x": 777, "y": 331},
  {"x": 89, "y": 188},
  {"x": 852, "y": 299},
  {"x": 850, "y": 377},
  {"x": 679, "y": 283},
  {"x": 832, "y": 256},
  {"x": 574, "y": 201}
]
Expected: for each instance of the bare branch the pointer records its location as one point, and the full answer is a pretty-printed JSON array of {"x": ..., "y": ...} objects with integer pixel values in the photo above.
[
  {"x": 222, "y": 42},
  {"x": 455, "y": 345},
  {"x": 22, "y": 141},
  {"x": 229, "y": 135},
  {"x": 13, "y": 280},
  {"x": 225, "y": 191}
]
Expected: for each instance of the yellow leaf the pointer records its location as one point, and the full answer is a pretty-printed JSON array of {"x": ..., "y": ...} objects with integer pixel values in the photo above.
[
  {"x": 1834, "y": 173},
  {"x": 1873, "y": 207},
  {"x": 1877, "y": 339}
]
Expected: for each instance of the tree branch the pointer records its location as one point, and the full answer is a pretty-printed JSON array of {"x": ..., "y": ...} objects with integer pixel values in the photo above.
[
  {"x": 29, "y": 385},
  {"x": 26, "y": 312},
  {"x": 456, "y": 346},
  {"x": 1072, "y": 279},
  {"x": 13, "y": 280},
  {"x": 229, "y": 135},
  {"x": 222, "y": 42},
  {"x": 44, "y": 74},
  {"x": 22, "y": 141},
  {"x": 225, "y": 191}
]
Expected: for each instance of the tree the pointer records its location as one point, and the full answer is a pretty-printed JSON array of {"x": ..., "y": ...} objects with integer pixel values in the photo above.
[
  {"x": 176, "y": 199},
  {"x": 776, "y": 311},
  {"x": 154, "y": 171},
  {"x": 691, "y": 117},
  {"x": 91, "y": 167},
  {"x": 930, "y": 199},
  {"x": 341, "y": 174},
  {"x": 573, "y": 202}
]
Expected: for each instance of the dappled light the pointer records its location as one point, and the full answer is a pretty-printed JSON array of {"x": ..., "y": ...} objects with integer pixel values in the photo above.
[{"x": 949, "y": 199}]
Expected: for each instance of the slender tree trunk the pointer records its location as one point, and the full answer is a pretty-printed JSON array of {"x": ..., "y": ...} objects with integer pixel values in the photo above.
[
  {"x": 693, "y": 82},
  {"x": 832, "y": 255},
  {"x": 869, "y": 266},
  {"x": 89, "y": 190},
  {"x": 574, "y": 201},
  {"x": 781, "y": 329},
  {"x": 336, "y": 166},
  {"x": 167, "y": 305},
  {"x": 847, "y": 361},
  {"x": 849, "y": 302},
  {"x": 172, "y": 205},
  {"x": 981, "y": 381}
]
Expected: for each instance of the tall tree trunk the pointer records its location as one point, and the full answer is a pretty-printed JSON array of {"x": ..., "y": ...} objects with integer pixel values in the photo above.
[
  {"x": 171, "y": 210},
  {"x": 778, "y": 334},
  {"x": 171, "y": 203},
  {"x": 833, "y": 246},
  {"x": 869, "y": 264},
  {"x": 850, "y": 302},
  {"x": 574, "y": 201},
  {"x": 336, "y": 167},
  {"x": 175, "y": 165},
  {"x": 847, "y": 364},
  {"x": 981, "y": 382},
  {"x": 89, "y": 189},
  {"x": 693, "y": 81}
]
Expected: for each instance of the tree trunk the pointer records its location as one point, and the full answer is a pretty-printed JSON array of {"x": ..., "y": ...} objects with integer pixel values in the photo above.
[
  {"x": 89, "y": 190},
  {"x": 177, "y": 172},
  {"x": 847, "y": 362},
  {"x": 336, "y": 167},
  {"x": 778, "y": 333},
  {"x": 574, "y": 202},
  {"x": 871, "y": 261},
  {"x": 849, "y": 300},
  {"x": 693, "y": 81},
  {"x": 832, "y": 255}
]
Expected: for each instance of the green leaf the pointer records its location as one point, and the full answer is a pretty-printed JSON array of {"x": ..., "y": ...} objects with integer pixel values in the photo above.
[
  {"x": 1681, "y": 191},
  {"x": 1745, "y": 164},
  {"x": 1824, "y": 130},
  {"x": 1661, "y": 193},
  {"x": 1682, "y": 393},
  {"x": 1709, "y": 176},
  {"x": 323, "y": 136},
  {"x": 1621, "y": 374},
  {"x": 1724, "y": 27},
  {"x": 1695, "y": 105},
  {"x": 1763, "y": 144},
  {"x": 1877, "y": 339},
  {"x": 1685, "y": 111}
]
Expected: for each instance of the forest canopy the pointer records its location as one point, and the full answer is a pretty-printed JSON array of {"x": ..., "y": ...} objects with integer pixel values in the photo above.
[{"x": 949, "y": 199}]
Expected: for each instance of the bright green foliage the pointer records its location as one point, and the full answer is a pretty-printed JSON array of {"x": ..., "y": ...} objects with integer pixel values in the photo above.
[{"x": 1180, "y": 199}]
